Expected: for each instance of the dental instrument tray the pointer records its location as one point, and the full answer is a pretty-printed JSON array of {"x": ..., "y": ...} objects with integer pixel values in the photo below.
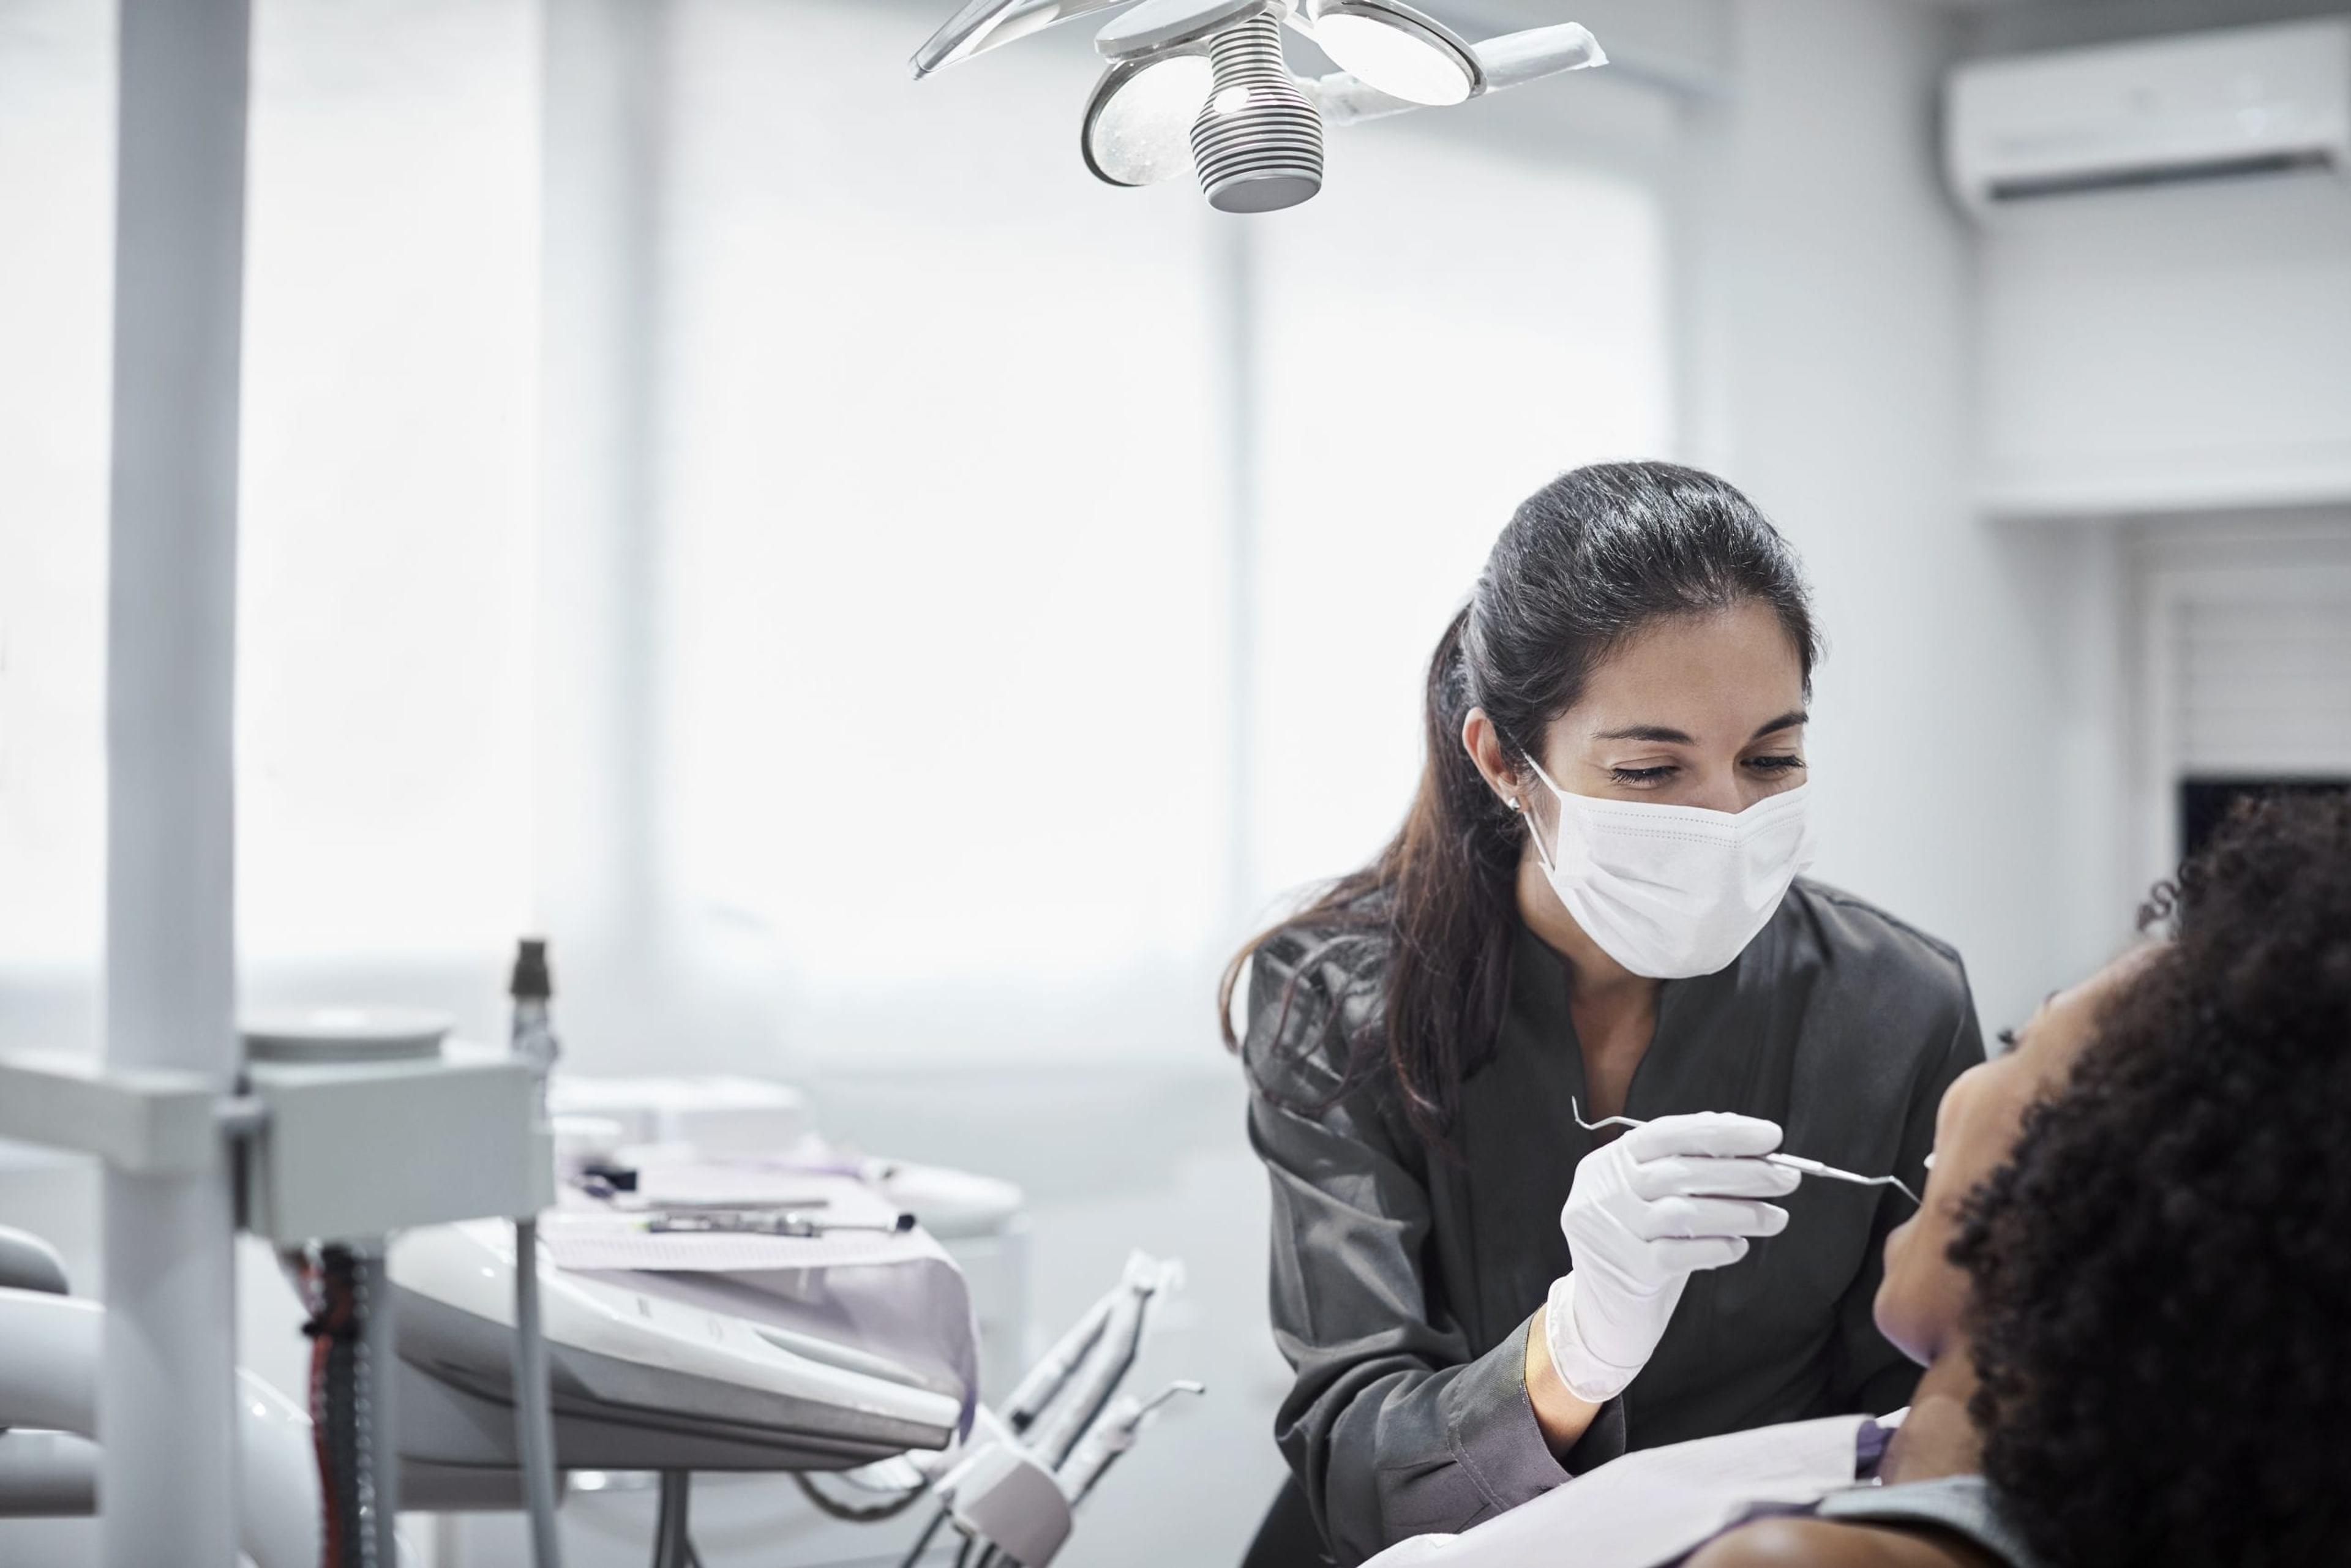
[
  {"x": 695, "y": 1217},
  {"x": 731, "y": 1316}
]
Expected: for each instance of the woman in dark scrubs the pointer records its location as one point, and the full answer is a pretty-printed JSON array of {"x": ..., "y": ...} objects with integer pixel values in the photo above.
[{"x": 1593, "y": 904}]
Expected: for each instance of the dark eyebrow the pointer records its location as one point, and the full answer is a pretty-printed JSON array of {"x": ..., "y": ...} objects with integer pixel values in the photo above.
[{"x": 1666, "y": 736}]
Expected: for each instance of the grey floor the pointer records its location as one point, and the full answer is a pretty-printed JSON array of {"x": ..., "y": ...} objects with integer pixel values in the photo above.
[{"x": 1113, "y": 1158}]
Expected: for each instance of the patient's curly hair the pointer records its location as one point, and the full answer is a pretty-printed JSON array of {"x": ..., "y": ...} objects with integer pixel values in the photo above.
[{"x": 2162, "y": 1275}]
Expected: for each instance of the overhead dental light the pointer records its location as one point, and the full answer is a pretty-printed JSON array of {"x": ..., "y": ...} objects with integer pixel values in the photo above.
[{"x": 1204, "y": 84}]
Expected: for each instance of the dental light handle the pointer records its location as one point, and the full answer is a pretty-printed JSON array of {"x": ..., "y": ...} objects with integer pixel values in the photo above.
[{"x": 1511, "y": 60}]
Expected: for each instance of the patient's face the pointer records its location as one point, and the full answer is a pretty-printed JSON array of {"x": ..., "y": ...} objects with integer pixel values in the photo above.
[{"x": 1921, "y": 1302}]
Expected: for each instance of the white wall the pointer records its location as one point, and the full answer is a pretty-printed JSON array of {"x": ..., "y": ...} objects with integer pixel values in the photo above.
[
  {"x": 2005, "y": 30},
  {"x": 1835, "y": 293},
  {"x": 1867, "y": 358},
  {"x": 2142, "y": 355},
  {"x": 2169, "y": 348},
  {"x": 56, "y": 154}
]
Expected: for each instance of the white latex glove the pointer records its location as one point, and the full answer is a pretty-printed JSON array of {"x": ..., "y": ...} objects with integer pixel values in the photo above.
[{"x": 1647, "y": 1211}]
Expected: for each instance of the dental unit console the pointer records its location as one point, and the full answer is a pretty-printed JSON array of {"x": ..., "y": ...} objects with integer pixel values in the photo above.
[
  {"x": 649, "y": 1376},
  {"x": 785, "y": 1310},
  {"x": 641, "y": 1382}
]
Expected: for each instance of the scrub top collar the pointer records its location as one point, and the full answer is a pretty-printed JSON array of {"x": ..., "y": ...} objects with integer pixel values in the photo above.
[{"x": 1540, "y": 983}]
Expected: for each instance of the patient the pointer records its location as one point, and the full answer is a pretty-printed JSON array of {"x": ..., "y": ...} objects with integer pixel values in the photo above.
[
  {"x": 2130, "y": 1281},
  {"x": 2155, "y": 1367}
]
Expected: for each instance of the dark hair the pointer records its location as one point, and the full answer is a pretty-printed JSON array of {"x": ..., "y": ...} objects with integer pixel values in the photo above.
[
  {"x": 1585, "y": 563},
  {"x": 2162, "y": 1274}
]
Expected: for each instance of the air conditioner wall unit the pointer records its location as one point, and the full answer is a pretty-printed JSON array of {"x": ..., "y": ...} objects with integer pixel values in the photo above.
[{"x": 2230, "y": 104}]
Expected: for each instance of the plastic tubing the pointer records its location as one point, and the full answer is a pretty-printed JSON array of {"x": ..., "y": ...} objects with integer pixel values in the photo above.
[{"x": 534, "y": 1412}]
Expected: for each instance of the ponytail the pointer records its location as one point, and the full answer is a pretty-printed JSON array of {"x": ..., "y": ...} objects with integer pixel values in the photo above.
[{"x": 1447, "y": 875}]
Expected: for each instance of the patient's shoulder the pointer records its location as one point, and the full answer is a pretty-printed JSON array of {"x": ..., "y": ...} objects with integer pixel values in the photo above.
[{"x": 1826, "y": 1543}]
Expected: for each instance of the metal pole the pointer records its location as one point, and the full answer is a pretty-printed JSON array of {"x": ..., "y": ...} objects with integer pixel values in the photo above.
[
  {"x": 166, "y": 1390},
  {"x": 602, "y": 75}
]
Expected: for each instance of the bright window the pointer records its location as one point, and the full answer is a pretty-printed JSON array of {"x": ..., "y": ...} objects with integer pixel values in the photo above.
[
  {"x": 388, "y": 505},
  {"x": 390, "y": 511},
  {"x": 948, "y": 617},
  {"x": 57, "y": 181},
  {"x": 1446, "y": 327}
]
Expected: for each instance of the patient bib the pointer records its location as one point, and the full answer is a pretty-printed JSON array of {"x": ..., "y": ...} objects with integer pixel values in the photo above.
[{"x": 1657, "y": 1505}]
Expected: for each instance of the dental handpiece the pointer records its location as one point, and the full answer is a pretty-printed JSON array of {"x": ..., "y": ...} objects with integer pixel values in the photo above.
[
  {"x": 1797, "y": 1163},
  {"x": 1049, "y": 1375}
]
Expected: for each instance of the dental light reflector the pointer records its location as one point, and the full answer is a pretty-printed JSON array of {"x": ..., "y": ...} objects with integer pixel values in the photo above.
[
  {"x": 1258, "y": 144},
  {"x": 1138, "y": 124},
  {"x": 1395, "y": 49},
  {"x": 1511, "y": 60}
]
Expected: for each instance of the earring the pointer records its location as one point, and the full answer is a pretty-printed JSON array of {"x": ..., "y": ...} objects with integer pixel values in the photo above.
[{"x": 1514, "y": 804}]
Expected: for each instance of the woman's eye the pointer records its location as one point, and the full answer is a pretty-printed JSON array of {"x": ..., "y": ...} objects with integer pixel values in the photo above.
[
  {"x": 1775, "y": 764},
  {"x": 1642, "y": 775}
]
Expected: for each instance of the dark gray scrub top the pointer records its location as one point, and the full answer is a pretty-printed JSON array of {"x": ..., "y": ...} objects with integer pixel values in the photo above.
[{"x": 1403, "y": 1282}]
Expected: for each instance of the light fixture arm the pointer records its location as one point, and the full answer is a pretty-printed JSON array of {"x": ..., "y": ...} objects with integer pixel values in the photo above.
[{"x": 984, "y": 24}]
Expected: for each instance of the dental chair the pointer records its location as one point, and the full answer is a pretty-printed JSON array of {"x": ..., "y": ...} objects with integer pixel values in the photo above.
[{"x": 49, "y": 1349}]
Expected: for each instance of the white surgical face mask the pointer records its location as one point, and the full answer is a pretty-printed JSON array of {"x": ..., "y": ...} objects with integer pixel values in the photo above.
[{"x": 1675, "y": 890}]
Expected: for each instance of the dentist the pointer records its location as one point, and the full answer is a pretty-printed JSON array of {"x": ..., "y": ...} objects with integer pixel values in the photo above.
[{"x": 1595, "y": 904}]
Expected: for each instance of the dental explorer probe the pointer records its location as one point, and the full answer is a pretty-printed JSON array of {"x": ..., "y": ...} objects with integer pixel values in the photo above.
[{"x": 1791, "y": 1162}]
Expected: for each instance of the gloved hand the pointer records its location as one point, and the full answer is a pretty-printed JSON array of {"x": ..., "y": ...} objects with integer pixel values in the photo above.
[{"x": 1647, "y": 1211}]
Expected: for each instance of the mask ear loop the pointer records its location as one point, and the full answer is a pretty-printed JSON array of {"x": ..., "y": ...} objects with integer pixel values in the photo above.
[{"x": 1534, "y": 829}]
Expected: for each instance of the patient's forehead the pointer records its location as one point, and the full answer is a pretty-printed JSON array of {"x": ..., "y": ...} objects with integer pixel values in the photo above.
[{"x": 2063, "y": 1025}]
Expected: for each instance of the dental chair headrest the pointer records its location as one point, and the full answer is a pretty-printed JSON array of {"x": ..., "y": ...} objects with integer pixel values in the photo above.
[{"x": 30, "y": 1263}]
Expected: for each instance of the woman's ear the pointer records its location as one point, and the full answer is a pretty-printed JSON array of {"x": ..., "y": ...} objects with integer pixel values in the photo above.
[{"x": 1483, "y": 742}]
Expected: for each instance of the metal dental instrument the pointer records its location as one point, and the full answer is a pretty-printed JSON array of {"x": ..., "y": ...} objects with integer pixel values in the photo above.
[
  {"x": 762, "y": 1222},
  {"x": 1791, "y": 1162}
]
